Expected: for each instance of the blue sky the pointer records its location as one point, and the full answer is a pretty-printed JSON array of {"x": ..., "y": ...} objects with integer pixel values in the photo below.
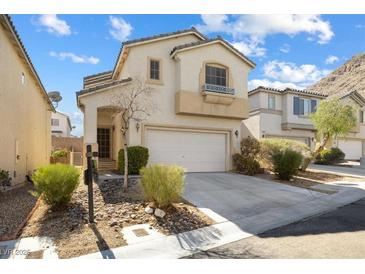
[{"x": 289, "y": 50}]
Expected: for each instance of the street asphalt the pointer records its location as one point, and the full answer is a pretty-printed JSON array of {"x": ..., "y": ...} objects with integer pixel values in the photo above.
[{"x": 336, "y": 234}]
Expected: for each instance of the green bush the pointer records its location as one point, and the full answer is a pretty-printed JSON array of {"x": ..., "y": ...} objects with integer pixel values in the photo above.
[
  {"x": 330, "y": 156},
  {"x": 271, "y": 146},
  {"x": 286, "y": 163},
  {"x": 162, "y": 184},
  {"x": 5, "y": 179},
  {"x": 59, "y": 153},
  {"x": 137, "y": 158},
  {"x": 56, "y": 182},
  {"x": 246, "y": 161}
]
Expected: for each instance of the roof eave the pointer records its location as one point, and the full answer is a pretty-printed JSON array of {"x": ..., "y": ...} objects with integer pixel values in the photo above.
[{"x": 26, "y": 57}]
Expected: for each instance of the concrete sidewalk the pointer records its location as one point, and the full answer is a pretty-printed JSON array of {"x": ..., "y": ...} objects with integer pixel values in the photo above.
[{"x": 188, "y": 243}]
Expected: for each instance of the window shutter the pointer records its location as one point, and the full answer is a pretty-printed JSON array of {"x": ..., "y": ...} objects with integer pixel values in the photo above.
[
  {"x": 361, "y": 116},
  {"x": 313, "y": 105},
  {"x": 296, "y": 105}
]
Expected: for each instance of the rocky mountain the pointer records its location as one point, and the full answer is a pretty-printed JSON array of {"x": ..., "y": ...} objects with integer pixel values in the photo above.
[{"x": 348, "y": 77}]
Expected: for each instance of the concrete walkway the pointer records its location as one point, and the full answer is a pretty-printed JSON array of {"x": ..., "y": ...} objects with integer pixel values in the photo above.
[{"x": 242, "y": 206}]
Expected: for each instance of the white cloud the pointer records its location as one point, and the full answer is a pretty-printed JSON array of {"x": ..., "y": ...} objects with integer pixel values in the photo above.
[
  {"x": 285, "y": 48},
  {"x": 250, "y": 48},
  {"x": 260, "y": 26},
  {"x": 120, "y": 29},
  {"x": 53, "y": 24},
  {"x": 331, "y": 59},
  {"x": 80, "y": 59},
  {"x": 250, "y": 31},
  {"x": 77, "y": 122},
  {"x": 252, "y": 84},
  {"x": 360, "y": 26},
  {"x": 305, "y": 74}
]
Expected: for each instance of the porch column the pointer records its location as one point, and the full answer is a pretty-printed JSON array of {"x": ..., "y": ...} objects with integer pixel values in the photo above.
[{"x": 90, "y": 129}]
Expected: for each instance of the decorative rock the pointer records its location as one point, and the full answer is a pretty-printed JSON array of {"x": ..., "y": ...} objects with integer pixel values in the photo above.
[
  {"x": 159, "y": 213},
  {"x": 133, "y": 216},
  {"x": 149, "y": 210}
]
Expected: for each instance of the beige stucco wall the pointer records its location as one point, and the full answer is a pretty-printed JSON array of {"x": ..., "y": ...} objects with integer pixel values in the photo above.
[
  {"x": 182, "y": 74},
  {"x": 24, "y": 116}
]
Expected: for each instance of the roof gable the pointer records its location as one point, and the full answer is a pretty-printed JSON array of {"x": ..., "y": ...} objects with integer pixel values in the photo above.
[
  {"x": 204, "y": 43},
  {"x": 123, "y": 53}
]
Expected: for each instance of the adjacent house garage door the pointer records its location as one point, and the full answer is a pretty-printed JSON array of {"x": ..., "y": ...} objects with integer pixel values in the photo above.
[
  {"x": 351, "y": 148},
  {"x": 196, "y": 151}
]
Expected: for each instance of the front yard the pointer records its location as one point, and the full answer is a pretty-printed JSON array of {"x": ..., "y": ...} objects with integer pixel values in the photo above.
[
  {"x": 114, "y": 210},
  {"x": 308, "y": 179}
]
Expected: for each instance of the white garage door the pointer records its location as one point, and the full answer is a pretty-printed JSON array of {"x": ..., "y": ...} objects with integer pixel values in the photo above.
[
  {"x": 351, "y": 148},
  {"x": 195, "y": 151}
]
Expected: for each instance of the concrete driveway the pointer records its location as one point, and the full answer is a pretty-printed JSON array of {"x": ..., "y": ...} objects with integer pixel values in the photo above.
[{"x": 256, "y": 205}]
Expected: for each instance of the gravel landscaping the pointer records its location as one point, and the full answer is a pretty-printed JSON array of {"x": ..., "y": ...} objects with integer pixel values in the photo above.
[
  {"x": 16, "y": 205},
  {"x": 308, "y": 179},
  {"x": 114, "y": 210}
]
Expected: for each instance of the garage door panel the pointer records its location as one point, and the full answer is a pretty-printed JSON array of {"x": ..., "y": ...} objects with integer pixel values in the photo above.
[
  {"x": 351, "y": 148},
  {"x": 195, "y": 151}
]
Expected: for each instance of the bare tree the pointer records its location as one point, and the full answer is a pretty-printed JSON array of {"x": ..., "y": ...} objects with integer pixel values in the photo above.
[{"x": 134, "y": 103}]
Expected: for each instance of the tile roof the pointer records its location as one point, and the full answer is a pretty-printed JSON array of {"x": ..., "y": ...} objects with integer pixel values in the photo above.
[
  {"x": 143, "y": 39},
  {"x": 101, "y": 86},
  {"x": 287, "y": 90},
  {"x": 98, "y": 74}
]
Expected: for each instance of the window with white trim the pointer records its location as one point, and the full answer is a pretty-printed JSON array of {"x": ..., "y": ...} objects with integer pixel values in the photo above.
[
  {"x": 55, "y": 122},
  {"x": 215, "y": 75},
  {"x": 303, "y": 106},
  {"x": 154, "y": 69},
  {"x": 271, "y": 102}
]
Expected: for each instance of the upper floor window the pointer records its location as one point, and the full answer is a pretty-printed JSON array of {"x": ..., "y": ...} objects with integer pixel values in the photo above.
[
  {"x": 55, "y": 122},
  {"x": 215, "y": 75},
  {"x": 304, "y": 106},
  {"x": 154, "y": 69},
  {"x": 22, "y": 78},
  {"x": 271, "y": 102}
]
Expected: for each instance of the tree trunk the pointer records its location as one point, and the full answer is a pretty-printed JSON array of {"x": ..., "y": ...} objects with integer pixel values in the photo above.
[
  {"x": 321, "y": 146},
  {"x": 125, "y": 182}
]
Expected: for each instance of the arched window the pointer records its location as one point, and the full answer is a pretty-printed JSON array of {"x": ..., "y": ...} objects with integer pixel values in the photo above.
[{"x": 216, "y": 75}]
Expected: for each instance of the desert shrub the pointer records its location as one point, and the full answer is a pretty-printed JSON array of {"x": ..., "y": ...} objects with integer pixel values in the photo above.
[
  {"x": 162, "y": 184},
  {"x": 330, "y": 156},
  {"x": 286, "y": 163},
  {"x": 56, "y": 182},
  {"x": 137, "y": 158},
  {"x": 59, "y": 153},
  {"x": 271, "y": 146},
  {"x": 246, "y": 165},
  {"x": 246, "y": 161},
  {"x": 5, "y": 179}
]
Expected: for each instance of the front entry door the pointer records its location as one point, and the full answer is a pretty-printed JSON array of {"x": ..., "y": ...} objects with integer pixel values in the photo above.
[{"x": 103, "y": 138}]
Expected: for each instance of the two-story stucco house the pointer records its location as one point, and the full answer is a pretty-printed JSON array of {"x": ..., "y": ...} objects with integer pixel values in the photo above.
[
  {"x": 200, "y": 85},
  {"x": 276, "y": 113},
  {"x": 25, "y": 109},
  {"x": 60, "y": 124}
]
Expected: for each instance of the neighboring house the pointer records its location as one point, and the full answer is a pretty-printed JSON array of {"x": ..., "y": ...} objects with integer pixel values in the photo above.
[
  {"x": 61, "y": 125},
  {"x": 200, "y": 85},
  {"x": 285, "y": 114},
  {"x": 25, "y": 109}
]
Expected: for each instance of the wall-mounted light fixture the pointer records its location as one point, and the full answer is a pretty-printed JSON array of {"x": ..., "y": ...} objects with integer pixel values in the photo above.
[
  {"x": 236, "y": 133},
  {"x": 137, "y": 126}
]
